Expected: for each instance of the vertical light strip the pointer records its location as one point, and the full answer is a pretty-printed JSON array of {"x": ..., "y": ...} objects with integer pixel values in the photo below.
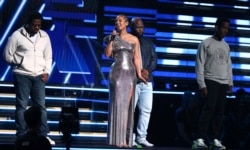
[
  {"x": 66, "y": 80},
  {"x": 52, "y": 28},
  {"x": 12, "y": 21},
  {"x": 53, "y": 67},
  {"x": 1, "y": 3},
  {"x": 81, "y": 4},
  {"x": 5, "y": 73},
  {"x": 42, "y": 8}
]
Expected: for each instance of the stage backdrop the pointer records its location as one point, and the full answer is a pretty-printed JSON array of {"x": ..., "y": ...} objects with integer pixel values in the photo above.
[{"x": 76, "y": 28}]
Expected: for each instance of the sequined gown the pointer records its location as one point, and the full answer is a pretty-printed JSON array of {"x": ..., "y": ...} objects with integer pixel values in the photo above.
[{"x": 122, "y": 81}]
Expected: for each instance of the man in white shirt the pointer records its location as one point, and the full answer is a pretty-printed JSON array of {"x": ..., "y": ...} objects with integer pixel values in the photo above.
[{"x": 29, "y": 53}]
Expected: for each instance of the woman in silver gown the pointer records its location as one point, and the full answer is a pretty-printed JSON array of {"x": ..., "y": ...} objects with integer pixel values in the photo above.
[{"x": 123, "y": 47}]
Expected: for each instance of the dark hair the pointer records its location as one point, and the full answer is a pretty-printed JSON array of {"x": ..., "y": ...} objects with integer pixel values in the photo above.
[
  {"x": 33, "y": 16},
  {"x": 124, "y": 16},
  {"x": 219, "y": 22},
  {"x": 32, "y": 116}
]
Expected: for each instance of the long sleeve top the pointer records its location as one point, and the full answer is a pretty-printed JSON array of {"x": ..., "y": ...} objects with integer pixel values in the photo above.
[
  {"x": 213, "y": 62},
  {"x": 28, "y": 57},
  {"x": 149, "y": 56}
]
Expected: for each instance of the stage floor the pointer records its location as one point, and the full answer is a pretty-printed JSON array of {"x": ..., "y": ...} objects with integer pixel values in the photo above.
[
  {"x": 99, "y": 147},
  {"x": 134, "y": 148}
]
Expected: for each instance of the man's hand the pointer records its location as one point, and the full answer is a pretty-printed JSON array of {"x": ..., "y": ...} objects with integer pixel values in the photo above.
[
  {"x": 145, "y": 74},
  {"x": 203, "y": 92},
  {"x": 44, "y": 77},
  {"x": 230, "y": 89},
  {"x": 142, "y": 79}
]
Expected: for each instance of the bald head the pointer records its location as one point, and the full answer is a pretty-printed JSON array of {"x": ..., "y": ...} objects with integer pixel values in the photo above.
[
  {"x": 137, "y": 26},
  {"x": 134, "y": 20}
]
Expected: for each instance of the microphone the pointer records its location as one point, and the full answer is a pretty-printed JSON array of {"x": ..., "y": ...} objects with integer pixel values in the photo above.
[{"x": 112, "y": 37}]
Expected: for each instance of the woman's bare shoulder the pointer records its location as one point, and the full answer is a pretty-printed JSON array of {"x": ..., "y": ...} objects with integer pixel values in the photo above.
[{"x": 133, "y": 38}]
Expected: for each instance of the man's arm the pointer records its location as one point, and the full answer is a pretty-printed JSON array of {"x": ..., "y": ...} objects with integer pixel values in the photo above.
[
  {"x": 199, "y": 65},
  {"x": 10, "y": 55},
  {"x": 48, "y": 57},
  {"x": 153, "y": 59}
]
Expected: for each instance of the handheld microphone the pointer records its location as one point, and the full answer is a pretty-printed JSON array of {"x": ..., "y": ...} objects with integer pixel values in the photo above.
[{"x": 113, "y": 34}]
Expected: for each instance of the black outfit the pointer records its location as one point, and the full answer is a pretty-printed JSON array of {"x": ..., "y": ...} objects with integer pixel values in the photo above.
[
  {"x": 237, "y": 124},
  {"x": 214, "y": 105},
  {"x": 188, "y": 117},
  {"x": 32, "y": 141},
  {"x": 147, "y": 49},
  {"x": 189, "y": 121}
]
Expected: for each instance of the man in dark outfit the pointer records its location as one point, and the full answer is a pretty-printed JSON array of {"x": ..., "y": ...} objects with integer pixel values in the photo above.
[
  {"x": 144, "y": 91},
  {"x": 32, "y": 140}
]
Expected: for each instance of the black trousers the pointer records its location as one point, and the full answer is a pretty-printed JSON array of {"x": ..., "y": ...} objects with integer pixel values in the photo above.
[{"x": 211, "y": 117}]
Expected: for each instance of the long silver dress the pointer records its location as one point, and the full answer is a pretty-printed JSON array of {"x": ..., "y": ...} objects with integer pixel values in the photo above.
[{"x": 122, "y": 81}]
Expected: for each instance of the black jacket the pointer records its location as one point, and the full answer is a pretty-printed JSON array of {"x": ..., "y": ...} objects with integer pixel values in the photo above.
[{"x": 149, "y": 56}]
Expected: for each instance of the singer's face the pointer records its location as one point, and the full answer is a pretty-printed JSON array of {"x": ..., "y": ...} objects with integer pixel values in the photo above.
[{"x": 121, "y": 22}]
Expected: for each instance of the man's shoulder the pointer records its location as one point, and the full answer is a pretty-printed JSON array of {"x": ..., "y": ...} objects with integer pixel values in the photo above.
[
  {"x": 147, "y": 40},
  {"x": 18, "y": 32},
  {"x": 33, "y": 141},
  {"x": 208, "y": 39},
  {"x": 43, "y": 33},
  {"x": 206, "y": 42}
]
